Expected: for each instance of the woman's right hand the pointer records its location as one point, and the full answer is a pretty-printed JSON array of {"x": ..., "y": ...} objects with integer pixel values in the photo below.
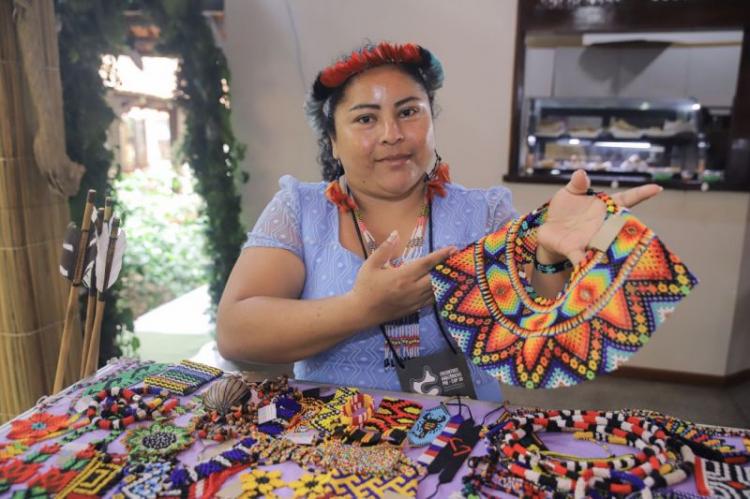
[{"x": 385, "y": 293}]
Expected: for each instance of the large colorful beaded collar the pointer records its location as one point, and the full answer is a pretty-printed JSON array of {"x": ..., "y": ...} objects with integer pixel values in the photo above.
[{"x": 614, "y": 300}]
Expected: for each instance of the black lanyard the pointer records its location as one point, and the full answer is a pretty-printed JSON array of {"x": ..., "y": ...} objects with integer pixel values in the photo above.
[{"x": 434, "y": 305}]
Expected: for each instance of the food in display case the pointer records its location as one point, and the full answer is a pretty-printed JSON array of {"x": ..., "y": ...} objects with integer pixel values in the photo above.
[{"x": 650, "y": 139}]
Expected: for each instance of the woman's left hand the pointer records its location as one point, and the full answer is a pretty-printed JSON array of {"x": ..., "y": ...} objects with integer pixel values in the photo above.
[{"x": 573, "y": 218}]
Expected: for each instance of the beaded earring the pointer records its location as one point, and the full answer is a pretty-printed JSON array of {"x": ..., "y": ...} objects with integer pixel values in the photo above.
[{"x": 337, "y": 191}]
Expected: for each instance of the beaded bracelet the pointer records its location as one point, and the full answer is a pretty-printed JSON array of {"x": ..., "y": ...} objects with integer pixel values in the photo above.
[
  {"x": 184, "y": 378},
  {"x": 357, "y": 410},
  {"x": 552, "y": 268}
]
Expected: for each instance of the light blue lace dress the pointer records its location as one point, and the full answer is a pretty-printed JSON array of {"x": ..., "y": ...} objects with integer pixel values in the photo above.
[{"x": 300, "y": 219}]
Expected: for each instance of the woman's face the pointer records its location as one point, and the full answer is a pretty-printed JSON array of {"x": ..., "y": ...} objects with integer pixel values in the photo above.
[{"x": 384, "y": 133}]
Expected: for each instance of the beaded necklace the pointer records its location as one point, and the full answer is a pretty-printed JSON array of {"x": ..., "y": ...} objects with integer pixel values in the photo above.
[
  {"x": 622, "y": 475},
  {"x": 116, "y": 408},
  {"x": 709, "y": 445},
  {"x": 401, "y": 335}
]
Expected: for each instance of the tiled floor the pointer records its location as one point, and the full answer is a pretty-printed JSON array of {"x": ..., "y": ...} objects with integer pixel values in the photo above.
[{"x": 701, "y": 404}]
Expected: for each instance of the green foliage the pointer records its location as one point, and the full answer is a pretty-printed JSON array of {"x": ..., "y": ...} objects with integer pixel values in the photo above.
[
  {"x": 88, "y": 30},
  {"x": 209, "y": 146},
  {"x": 93, "y": 28},
  {"x": 163, "y": 223}
]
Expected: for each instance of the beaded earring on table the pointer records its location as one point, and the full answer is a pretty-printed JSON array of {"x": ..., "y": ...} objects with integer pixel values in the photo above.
[{"x": 337, "y": 191}]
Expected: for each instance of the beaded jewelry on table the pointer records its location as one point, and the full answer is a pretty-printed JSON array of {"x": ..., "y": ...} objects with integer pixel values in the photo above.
[
  {"x": 614, "y": 300},
  {"x": 184, "y": 378},
  {"x": 157, "y": 441},
  {"x": 116, "y": 408}
]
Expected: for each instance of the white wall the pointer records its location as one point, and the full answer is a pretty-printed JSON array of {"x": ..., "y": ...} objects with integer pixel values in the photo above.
[{"x": 276, "y": 47}]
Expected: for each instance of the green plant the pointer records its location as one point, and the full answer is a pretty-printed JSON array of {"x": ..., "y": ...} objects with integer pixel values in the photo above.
[
  {"x": 90, "y": 29},
  {"x": 166, "y": 228},
  {"x": 209, "y": 146}
]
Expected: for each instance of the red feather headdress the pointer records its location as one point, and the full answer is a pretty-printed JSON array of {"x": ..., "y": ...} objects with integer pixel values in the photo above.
[{"x": 358, "y": 61}]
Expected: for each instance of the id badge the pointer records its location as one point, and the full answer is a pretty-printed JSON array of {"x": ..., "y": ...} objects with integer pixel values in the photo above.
[{"x": 444, "y": 373}]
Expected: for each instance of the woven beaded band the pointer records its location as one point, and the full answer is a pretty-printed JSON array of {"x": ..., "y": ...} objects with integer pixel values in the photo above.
[
  {"x": 552, "y": 268},
  {"x": 357, "y": 410}
]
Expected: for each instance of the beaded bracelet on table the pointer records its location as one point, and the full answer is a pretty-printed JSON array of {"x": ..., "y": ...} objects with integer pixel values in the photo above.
[
  {"x": 357, "y": 410},
  {"x": 311, "y": 407},
  {"x": 184, "y": 378},
  {"x": 485, "y": 473}
]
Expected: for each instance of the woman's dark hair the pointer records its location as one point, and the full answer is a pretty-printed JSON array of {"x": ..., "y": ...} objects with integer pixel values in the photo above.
[{"x": 322, "y": 102}]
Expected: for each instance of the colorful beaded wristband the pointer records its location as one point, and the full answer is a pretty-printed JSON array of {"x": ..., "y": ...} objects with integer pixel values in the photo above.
[
  {"x": 552, "y": 268},
  {"x": 184, "y": 378},
  {"x": 357, "y": 410}
]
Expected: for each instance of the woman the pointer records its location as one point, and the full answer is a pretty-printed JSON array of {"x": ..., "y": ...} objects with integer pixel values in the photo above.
[{"x": 329, "y": 277}]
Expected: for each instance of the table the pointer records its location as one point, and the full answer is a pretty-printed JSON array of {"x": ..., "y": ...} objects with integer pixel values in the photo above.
[{"x": 69, "y": 397}]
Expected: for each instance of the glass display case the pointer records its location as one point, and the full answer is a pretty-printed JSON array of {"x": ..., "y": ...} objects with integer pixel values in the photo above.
[{"x": 615, "y": 139}]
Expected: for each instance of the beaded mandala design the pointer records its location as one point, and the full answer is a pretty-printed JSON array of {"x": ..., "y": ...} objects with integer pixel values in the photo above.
[
  {"x": 612, "y": 303},
  {"x": 157, "y": 440}
]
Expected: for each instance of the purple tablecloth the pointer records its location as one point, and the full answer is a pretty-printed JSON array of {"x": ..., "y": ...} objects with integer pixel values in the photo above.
[{"x": 559, "y": 442}]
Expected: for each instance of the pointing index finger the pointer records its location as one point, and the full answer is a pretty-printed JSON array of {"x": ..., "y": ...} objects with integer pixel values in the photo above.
[{"x": 426, "y": 263}]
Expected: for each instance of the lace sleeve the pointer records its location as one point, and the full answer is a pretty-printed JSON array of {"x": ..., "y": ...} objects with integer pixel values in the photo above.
[
  {"x": 279, "y": 224},
  {"x": 500, "y": 204}
]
